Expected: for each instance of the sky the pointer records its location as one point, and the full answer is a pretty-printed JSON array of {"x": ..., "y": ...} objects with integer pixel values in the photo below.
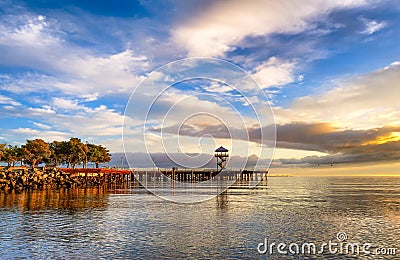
[{"x": 330, "y": 71}]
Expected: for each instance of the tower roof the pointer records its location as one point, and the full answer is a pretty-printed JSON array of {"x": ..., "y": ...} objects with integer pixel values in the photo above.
[{"x": 221, "y": 150}]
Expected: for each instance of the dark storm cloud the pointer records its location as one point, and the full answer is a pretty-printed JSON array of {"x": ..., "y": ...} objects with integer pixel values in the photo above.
[
  {"x": 343, "y": 146},
  {"x": 219, "y": 131},
  {"x": 324, "y": 137},
  {"x": 361, "y": 154}
]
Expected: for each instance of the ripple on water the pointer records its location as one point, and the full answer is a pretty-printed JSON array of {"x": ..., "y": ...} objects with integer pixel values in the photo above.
[{"x": 98, "y": 223}]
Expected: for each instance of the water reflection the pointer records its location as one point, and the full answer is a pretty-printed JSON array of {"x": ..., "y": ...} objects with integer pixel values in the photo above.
[
  {"x": 73, "y": 199},
  {"x": 127, "y": 222}
]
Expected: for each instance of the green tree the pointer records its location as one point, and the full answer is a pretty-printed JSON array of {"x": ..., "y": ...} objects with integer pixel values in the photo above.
[
  {"x": 98, "y": 154},
  {"x": 13, "y": 154},
  {"x": 19, "y": 151},
  {"x": 59, "y": 152},
  {"x": 76, "y": 152},
  {"x": 71, "y": 152},
  {"x": 2, "y": 150},
  {"x": 36, "y": 151}
]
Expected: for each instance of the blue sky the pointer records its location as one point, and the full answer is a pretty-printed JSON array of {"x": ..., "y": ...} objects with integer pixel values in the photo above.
[{"x": 329, "y": 68}]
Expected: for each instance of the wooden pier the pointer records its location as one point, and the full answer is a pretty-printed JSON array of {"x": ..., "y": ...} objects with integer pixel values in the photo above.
[
  {"x": 115, "y": 175},
  {"x": 101, "y": 175},
  {"x": 40, "y": 177}
]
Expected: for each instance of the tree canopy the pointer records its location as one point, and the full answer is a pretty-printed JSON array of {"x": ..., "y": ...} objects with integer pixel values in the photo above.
[
  {"x": 98, "y": 154},
  {"x": 36, "y": 151},
  {"x": 13, "y": 154},
  {"x": 72, "y": 153},
  {"x": 2, "y": 151}
]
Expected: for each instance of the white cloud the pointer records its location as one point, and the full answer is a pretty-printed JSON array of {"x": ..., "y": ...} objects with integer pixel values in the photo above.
[
  {"x": 371, "y": 26},
  {"x": 118, "y": 73},
  {"x": 4, "y": 100},
  {"x": 42, "y": 126},
  {"x": 217, "y": 87},
  {"x": 274, "y": 72},
  {"x": 87, "y": 77},
  {"x": 99, "y": 125},
  {"x": 29, "y": 82},
  {"x": 225, "y": 23},
  {"x": 65, "y": 103},
  {"x": 365, "y": 101},
  {"x": 41, "y": 111},
  {"x": 67, "y": 75},
  {"x": 23, "y": 30},
  {"x": 393, "y": 64},
  {"x": 86, "y": 121},
  {"x": 48, "y": 136},
  {"x": 33, "y": 41},
  {"x": 66, "y": 118}
]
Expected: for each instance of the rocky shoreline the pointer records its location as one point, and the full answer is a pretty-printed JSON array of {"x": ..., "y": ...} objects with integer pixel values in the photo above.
[{"x": 21, "y": 178}]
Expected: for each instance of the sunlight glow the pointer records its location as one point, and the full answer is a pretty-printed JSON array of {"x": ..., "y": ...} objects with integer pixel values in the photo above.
[{"x": 392, "y": 137}]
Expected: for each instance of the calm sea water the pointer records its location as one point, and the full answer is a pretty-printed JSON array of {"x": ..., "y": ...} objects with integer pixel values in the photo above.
[{"x": 130, "y": 223}]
